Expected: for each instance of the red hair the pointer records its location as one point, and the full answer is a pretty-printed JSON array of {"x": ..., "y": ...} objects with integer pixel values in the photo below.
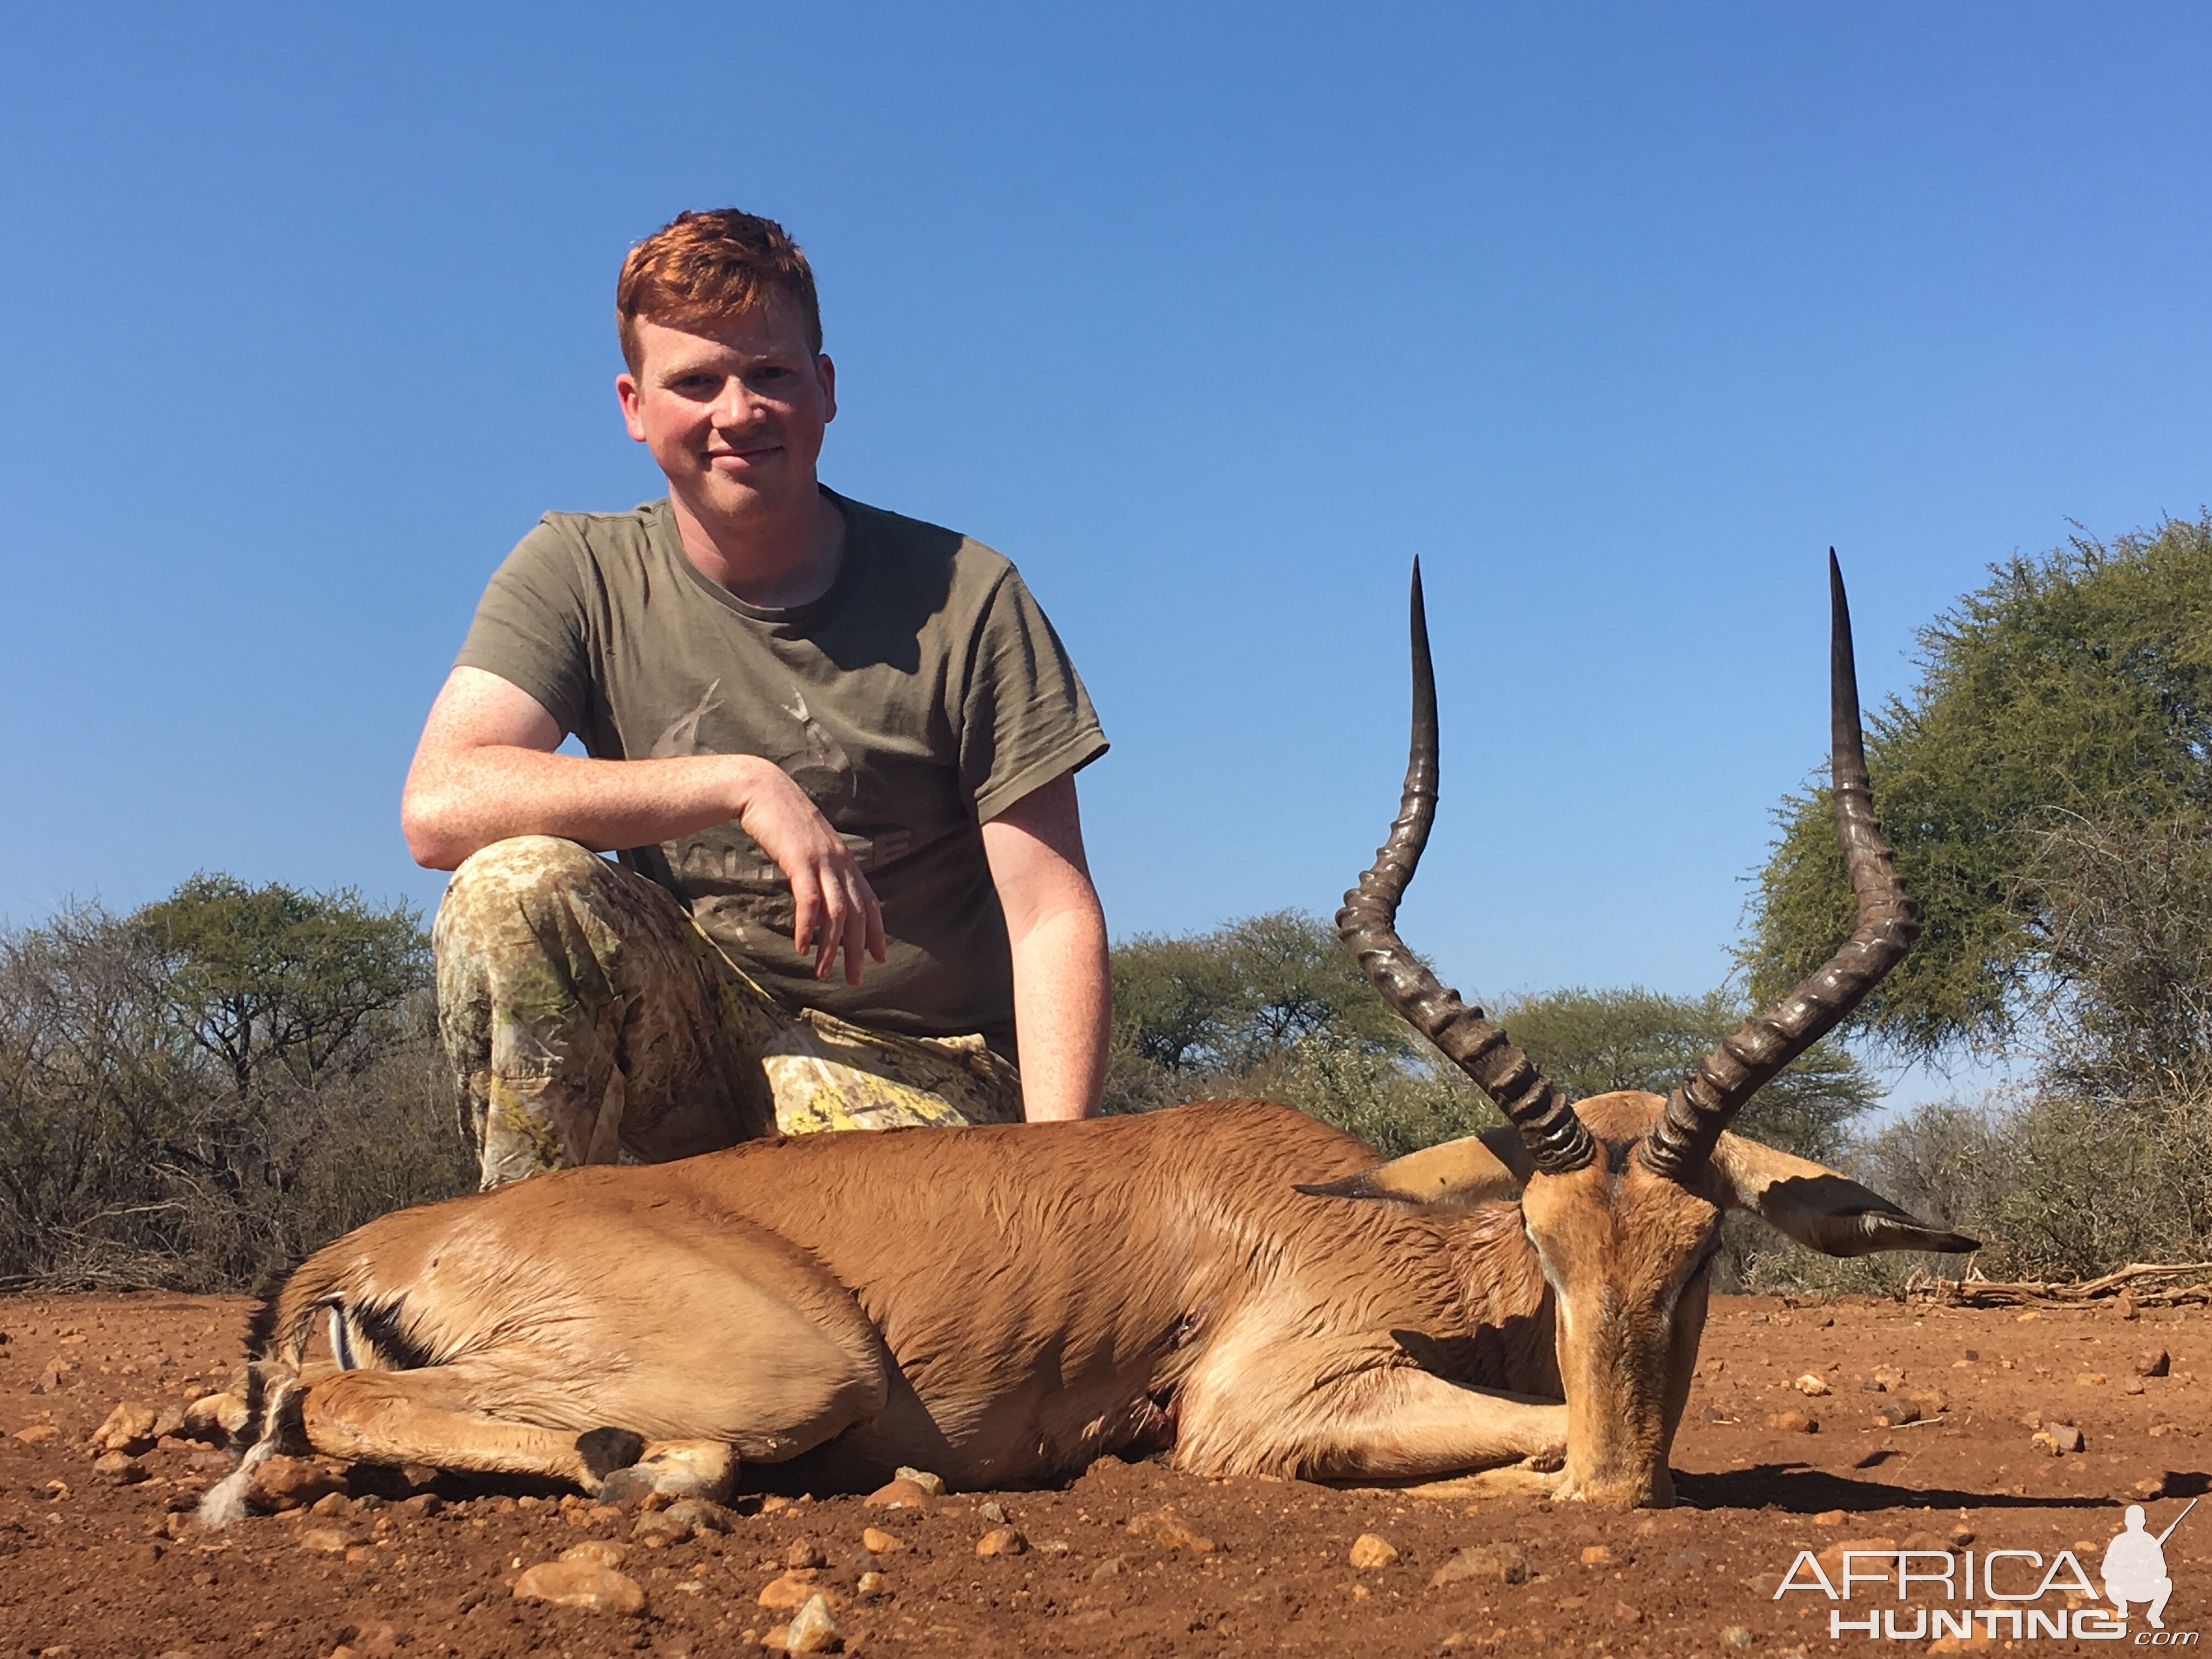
[{"x": 703, "y": 267}]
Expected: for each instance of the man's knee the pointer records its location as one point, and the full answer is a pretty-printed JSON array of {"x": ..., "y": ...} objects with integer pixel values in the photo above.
[{"x": 522, "y": 871}]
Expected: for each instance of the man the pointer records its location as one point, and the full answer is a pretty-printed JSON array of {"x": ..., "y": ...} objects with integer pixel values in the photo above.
[{"x": 834, "y": 747}]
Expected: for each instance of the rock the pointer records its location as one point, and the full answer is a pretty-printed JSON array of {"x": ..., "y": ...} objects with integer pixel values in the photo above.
[
  {"x": 599, "y": 1551},
  {"x": 335, "y": 1505},
  {"x": 326, "y": 1540},
  {"x": 699, "y": 1514},
  {"x": 1001, "y": 1540},
  {"x": 1688, "y": 1560},
  {"x": 119, "y": 1468},
  {"x": 805, "y": 1552},
  {"x": 877, "y": 1541},
  {"x": 813, "y": 1630},
  {"x": 1370, "y": 1551},
  {"x": 1812, "y": 1384},
  {"x": 1929, "y": 1400},
  {"x": 790, "y": 1590},
  {"x": 1167, "y": 1529},
  {"x": 38, "y": 1434},
  {"x": 1874, "y": 1385},
  {"x": 933, "y": 1484},
  {"x": 128, "y": 1428},
  {"x": 2153, "y": 1362},
  {"x": 1889, "y": 1377},
  {"x": 2133, "y": 1385},
  {"x": 659, "y": 1528},
  {"x": 2057, "y": 1439},
  {"x": 871, "y": 1584},
  {"x": 1897, "y": 1413},
  {"x": 900, "y": 1494},
  {"x": 1499, "y": 1563},
  {"x": 2150, "y": 1487},
  {"x": 993, "y": 1512},
  {"x": 1735, "y": 1635},
  {"x": 1597, "y": 1555},
  {"x": 1794, "y": 1423},
  {"x": 1628, "y": 1612},
  {"x": 626, "y": 1488},
  {"x": 423, "y": 1503},
  {"x": 291, "y": 1483},
  {"x": 583, "y": 1584},
  {"x": 2089, "y": 1379},
  {"x": 1112, "y": 1567},
  {"x": 214, "y": 1418}
]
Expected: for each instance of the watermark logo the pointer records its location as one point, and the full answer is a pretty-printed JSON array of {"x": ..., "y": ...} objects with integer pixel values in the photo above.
[{"x": 1938, "y": 1589}]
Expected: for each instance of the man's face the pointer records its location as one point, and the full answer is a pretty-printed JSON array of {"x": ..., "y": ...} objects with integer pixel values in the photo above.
[{"x": 732, "y": 410}]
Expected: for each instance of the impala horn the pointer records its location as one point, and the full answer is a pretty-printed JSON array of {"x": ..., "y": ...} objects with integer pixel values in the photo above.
[
  {"x": 1546, "y": 1118},
  {"x": 1888, "y": 921}
]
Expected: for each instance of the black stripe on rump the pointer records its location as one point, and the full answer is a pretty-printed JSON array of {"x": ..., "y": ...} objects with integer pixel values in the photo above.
[{"x": 377, "y": 1324}]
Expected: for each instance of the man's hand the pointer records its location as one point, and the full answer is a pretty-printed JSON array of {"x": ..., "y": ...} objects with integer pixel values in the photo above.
[
  {"x": 486, "y": 769},
  {"x": 837, "y": 907},
  {"x": 1063, "y": 999}
]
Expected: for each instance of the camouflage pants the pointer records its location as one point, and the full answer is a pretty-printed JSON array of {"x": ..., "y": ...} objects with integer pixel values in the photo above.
[{"x": 588, "y": 1018}]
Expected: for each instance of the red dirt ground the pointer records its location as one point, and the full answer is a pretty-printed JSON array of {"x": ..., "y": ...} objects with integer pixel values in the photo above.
[{"x": 90, "y": 1572}]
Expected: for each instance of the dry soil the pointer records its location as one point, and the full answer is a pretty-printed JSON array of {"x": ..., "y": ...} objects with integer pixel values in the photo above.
[{"x": 92, "y": 1568}]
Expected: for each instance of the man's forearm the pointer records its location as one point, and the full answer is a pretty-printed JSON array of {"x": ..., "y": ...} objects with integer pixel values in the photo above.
[
  {"x": 456, "y": 805},
  {"x": 1063, "y": 1011}
]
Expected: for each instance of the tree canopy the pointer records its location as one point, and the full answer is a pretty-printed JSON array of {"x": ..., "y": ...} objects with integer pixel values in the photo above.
[
  {"x": 2072, "y": 688},
  {"x": 214, "y": 1084},
  {"x": 1590, "y": 1042},
  {"x": 1273, "y": 1006}
]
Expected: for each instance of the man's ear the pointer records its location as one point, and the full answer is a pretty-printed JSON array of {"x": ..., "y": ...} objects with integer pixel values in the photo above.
[
  {"x": 1820, "y": 1209},
  {"x": 1475, "y": 1169}
]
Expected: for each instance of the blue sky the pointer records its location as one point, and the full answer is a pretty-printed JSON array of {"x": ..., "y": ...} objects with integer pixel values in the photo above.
[{"x": 1212, "y": 316}]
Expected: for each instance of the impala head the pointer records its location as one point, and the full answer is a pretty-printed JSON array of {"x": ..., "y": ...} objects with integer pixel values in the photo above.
[{"x": 1622, "y": 1196}]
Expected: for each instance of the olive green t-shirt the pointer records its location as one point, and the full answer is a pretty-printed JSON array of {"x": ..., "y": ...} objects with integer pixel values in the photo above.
[{"x": 922, "y": 694}]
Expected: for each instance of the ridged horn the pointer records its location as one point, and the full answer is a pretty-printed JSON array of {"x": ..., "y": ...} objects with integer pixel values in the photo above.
[
  {"x": 1717, "y": 1088},
  {"x": 1367, "y": 924}
]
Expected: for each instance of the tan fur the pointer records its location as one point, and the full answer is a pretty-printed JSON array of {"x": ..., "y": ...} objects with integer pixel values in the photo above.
[{"x": 1003, "y": 1304}]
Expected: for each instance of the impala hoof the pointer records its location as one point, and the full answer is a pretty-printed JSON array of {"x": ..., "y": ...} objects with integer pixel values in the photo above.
[{"x": 606, "y": 1450}]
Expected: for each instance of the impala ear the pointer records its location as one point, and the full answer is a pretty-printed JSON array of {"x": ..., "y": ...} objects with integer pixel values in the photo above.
[
  {"x": 1475, "y": 1170},
  {"x": 1820, "y": 1209}
]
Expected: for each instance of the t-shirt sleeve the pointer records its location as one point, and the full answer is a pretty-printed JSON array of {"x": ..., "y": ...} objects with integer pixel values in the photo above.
[
  {"x": 1025, "y": 717},
  {"x": 531, "y": 627}
]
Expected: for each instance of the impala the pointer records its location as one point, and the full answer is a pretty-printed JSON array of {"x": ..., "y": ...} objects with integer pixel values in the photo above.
[{"x": 1232, "y": 1282}]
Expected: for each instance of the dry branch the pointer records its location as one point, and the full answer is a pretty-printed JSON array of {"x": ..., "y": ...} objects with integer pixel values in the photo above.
[{"x": 2147, "y": 1284}]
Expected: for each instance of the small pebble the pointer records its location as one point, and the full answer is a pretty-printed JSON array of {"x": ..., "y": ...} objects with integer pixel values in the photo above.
[{"x": 1370, "y": 1551}]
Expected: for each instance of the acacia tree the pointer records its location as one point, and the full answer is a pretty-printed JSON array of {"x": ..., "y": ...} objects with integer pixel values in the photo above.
[
  {"x": 2077, "y": 686},
  {"x": 2048, "y": 784},
  {"x": 214, "y": 1084}
]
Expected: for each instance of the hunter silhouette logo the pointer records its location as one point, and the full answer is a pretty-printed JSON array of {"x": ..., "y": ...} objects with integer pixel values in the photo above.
[{"x": 2134, "y": 1568}]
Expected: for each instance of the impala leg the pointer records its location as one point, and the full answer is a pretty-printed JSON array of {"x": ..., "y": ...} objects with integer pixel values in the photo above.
[
  {"x": 424, "y": 1417},
  {"x": 1399, "y": 1424},
  {"x": 1394, "y": 1424}
]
